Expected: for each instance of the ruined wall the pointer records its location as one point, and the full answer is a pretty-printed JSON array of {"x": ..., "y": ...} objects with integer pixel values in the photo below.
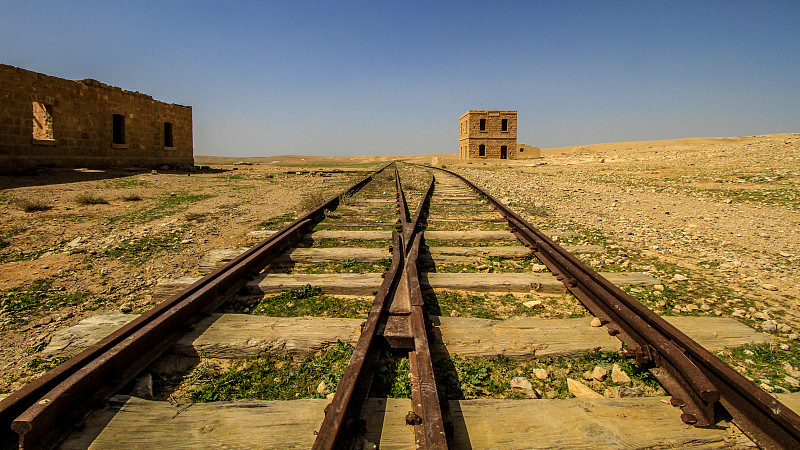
[
  {"x": 528, "y": 152},
  {"x": 492, "y": 137},
  {"x": 50, "y": 121}
]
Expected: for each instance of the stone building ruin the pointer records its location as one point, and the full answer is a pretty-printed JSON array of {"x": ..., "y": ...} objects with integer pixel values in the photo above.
[
  {"x": 488, "y": 134},
  {"x": 50, "y": 121},
  {"x": 525, "y": 151},
  {"x": 492, "y": 134}
]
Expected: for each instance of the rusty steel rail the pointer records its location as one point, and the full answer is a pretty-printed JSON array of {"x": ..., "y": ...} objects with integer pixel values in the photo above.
[
  {"x": 343, "y": 424},
  {"x": 40, "y": 412},
  {"x": 707, "y": 389},
  {"x": 429, "y": 432}
]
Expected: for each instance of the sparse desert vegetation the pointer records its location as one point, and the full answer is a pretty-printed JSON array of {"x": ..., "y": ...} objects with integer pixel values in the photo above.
[
  {"x": 714, "y": 219},
  {"x": 69, "y": 247}
]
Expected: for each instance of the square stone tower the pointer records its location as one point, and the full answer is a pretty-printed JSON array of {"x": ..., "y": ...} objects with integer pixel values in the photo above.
[{"x": 488, "y": 134}]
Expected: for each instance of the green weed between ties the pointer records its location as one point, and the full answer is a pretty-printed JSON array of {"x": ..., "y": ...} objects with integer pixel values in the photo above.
[
  {"x": 332, "y": 243},
  {"x": 392, "y": 378},
  {"x": 469, "y": 378},
  {"x": 346, "y": 266},
  {"x": 497, "y": 307},
  {"x": 276, "y": 378},
  {"x": 309, "y": 301},
  {"x": 439, "y": 243}
]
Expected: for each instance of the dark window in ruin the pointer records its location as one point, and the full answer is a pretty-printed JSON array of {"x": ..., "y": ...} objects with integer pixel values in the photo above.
[
  {"x": 43, "y": 122},
  {"x": 168, "y": 134},
  {"x": 504, "y": 126},
  {"x": 482, "y": 148},
  {"x": 483, "y": 124},
  {"x": 119, "y": 129},
  {"x": 503, "y": 151}
]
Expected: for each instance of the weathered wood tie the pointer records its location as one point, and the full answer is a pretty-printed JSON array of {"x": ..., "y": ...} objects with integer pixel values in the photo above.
[
  {"x": 437, "y": 255},
  {"x": 492, "y": 423},
  {"x": 234, "y": 336},
  {"x": 364, "y": 284}
]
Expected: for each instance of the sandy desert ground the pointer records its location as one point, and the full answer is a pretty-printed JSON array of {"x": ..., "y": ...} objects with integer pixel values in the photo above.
[{"x": 716, "y": 219}]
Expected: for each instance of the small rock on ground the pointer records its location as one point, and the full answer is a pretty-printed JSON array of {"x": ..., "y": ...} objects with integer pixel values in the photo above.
[
  {"x": 581, "y": 390},
  {"x": 599, "y": 373},
  {"x": 618, "y": 376},
  {"x": 769, "y": 326},
  {"x": 521, "y": 386},
  {"x": 623, "y": 391},
  {"x": 540, "y": 374},
  {"x": 534, "y": 304}
]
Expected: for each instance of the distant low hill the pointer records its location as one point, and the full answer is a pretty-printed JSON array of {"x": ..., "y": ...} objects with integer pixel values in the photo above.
[{"x": 328, "y": 161}]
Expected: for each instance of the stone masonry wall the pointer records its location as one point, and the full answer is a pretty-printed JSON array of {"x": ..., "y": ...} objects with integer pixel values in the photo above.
[
  {"x": 471, "y": 137},
  {"x": 528, "y": 152},
  {"x": 50, "y": 121}
]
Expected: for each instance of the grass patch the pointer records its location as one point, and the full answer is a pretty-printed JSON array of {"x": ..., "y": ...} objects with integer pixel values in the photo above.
[
  {"x": 346, "y": 266},
  {"x": 131, "y": 197},
  {"x": 125, "y": 183},
  {"x": 45, "y": 364},
  {"x": 786, "y": 196},
  {"x": 764, "y": 363},
  {"x": 312, "y": 200},
  {"x": 230, "y": 177},
  {"x": 676, "y": 297},
  {"x": 333, "y": 227},
  {"x": 368, "y": 219},
  {"x": 496, "y": 265},
  {"x": 12, "y": 256},
  {"x": 166, "y": 206},
  {"x": 438, "y": 243},
  {"x": 40, "y": 296},
  {"x": 468, "y": 378},
  {"x": 333, "y": 243},
  {"x": 305, "y": 301},
  {"x": 33, "y": 204},
  {"x": 139, "y": 249},
  {"x": 277, "y": 221},
  {"x": 196, "y": 217},
  {"x": 346, "y": 198},
  {"x": 460, "y": 226},
  {"x": 443, "y": 208},
  {"x": 446, "y": 303},
  {"x": 273, "y": 378},
  {"x": 392, "y": 378},
  {"x": 537, "y": 210},
  {"x": 87, "y": 198}
]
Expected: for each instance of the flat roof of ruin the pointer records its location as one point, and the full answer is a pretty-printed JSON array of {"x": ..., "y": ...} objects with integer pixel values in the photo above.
[{"x": 486, "y": 111}]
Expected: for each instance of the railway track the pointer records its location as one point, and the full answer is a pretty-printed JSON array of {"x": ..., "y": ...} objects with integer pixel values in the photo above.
[{"x": 415, "y": 241}]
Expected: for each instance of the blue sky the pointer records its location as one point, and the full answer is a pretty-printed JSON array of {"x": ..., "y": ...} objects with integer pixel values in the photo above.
[{"x": 357, "y": 78}]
